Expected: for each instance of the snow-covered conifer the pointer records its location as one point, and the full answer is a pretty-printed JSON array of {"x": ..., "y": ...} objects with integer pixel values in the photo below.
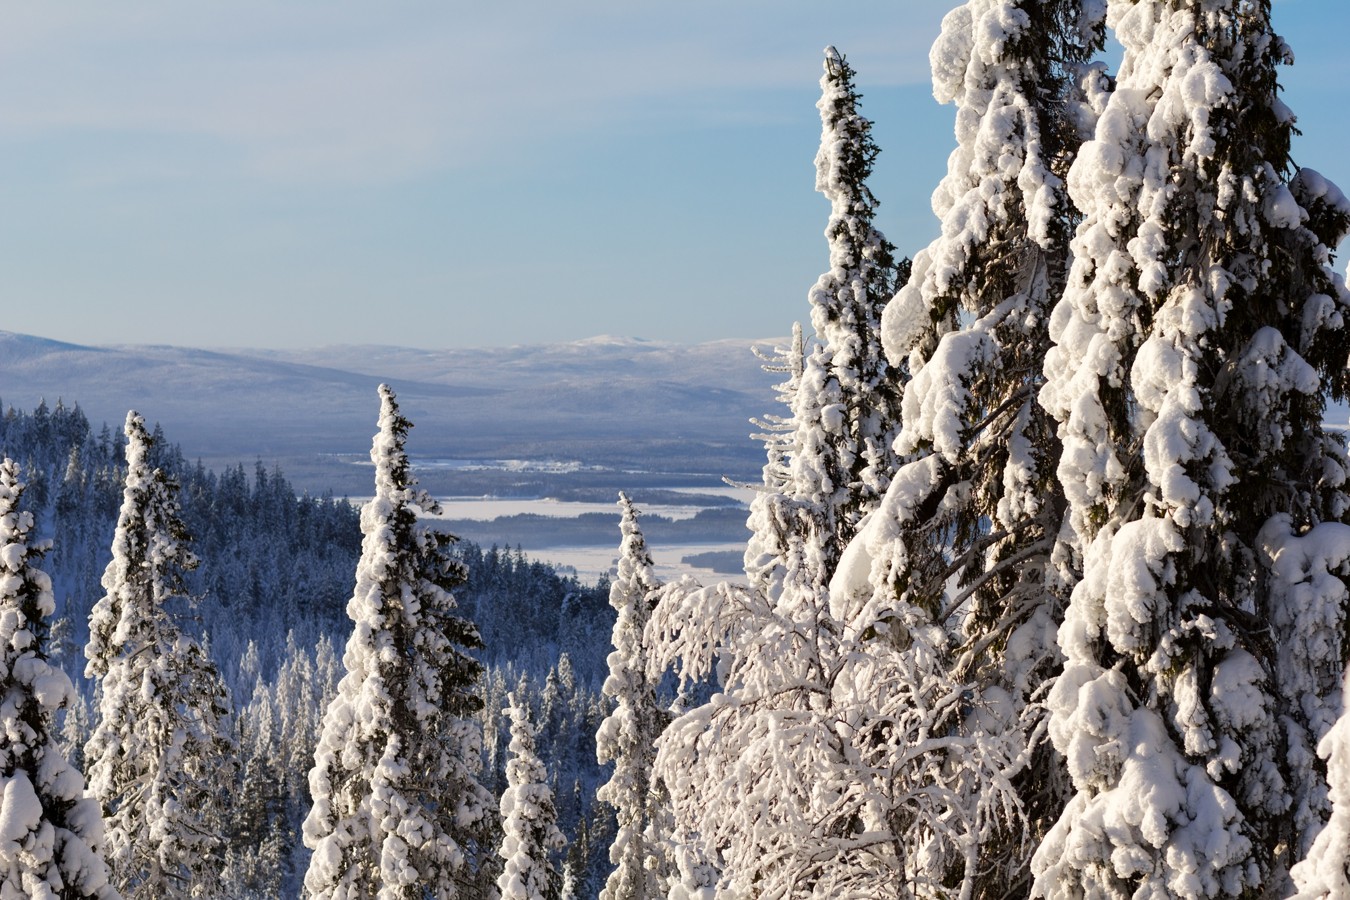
[
  {"x": 398, "y": 811},
  {"x": 51, "y": 833},
  {"x": 764, "y": 551},
  {"x": 1199, "y": 334},
  {"x": 755, "y": 773},
  {"x": 161, "y": 758},
  {"x": 627, "y": 737},
  {"x": 529, "y": 820},
  {"x": 848, "y": 396},
  {"x": 948, "y": 592},
  {"x": 830, "y": 461}
]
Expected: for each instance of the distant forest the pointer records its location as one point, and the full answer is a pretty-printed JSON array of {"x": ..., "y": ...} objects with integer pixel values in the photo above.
[{"x": 269, "y": 596}]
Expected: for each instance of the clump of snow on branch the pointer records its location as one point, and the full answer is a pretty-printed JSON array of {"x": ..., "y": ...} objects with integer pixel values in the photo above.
[{"x": 1325, "y": 871}]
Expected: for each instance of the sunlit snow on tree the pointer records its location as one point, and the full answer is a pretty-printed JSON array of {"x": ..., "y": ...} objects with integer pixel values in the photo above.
[
  {"x": 762, "y": 778},
  {"x": 51, "y": 833},
  {"x": 162, "y": 757},
  {"x": 627, "y": 737},
  {"x": 949, "y": 591},
  {"x": 1197, "y": 340},
  {"x": 398, "y": 811},
  {"x": 529, "y": 820}
]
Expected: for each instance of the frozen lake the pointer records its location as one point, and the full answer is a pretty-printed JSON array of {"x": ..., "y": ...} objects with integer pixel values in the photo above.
[
  {"x": 590, "y": 561},
  {"x": 484, "y": 509}
]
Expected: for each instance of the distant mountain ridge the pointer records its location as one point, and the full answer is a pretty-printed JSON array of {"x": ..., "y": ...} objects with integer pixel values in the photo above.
[{"x": 617, "y": 402}]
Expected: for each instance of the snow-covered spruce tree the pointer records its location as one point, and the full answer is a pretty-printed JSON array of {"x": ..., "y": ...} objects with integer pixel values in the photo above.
[
  {"x": 847, "y": 398},
  {"x": 398, "y": 812},
  {"x": 529, "y": 820},
  {"x": 1197, "y": 340},
  {"x": 947, "y": 599},
  {"x": 51, "y": 833},
  {"x": 627, "y": 737},
  {"x": 775, "y": 734},
  {"x": 161, "y": 757},
  {"x": 830, "y": 461}
]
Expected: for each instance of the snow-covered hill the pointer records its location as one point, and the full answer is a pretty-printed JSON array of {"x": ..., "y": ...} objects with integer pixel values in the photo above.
[{"x": 619, "y": 403}]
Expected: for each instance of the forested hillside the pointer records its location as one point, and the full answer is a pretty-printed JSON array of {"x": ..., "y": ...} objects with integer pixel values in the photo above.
[
  {"x": 269, "y": 598},
  {"x": 579, "y": 406}
]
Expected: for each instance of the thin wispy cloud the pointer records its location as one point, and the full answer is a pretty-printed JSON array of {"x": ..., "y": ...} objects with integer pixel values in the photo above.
[{"x": 362, "y": 92}]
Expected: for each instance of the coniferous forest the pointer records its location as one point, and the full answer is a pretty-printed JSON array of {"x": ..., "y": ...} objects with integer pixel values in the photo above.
[{"x": 1044, "y": 595}]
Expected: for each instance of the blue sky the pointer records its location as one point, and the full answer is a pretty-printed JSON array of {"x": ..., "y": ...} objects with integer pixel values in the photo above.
[{"x": 433, "y": 174}]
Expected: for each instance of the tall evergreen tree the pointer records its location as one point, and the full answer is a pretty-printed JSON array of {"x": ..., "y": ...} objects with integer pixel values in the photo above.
[
  {"x": 529, "y": 819},
  {"x": 830, "y": 461},
  {"x": 51, "y": 833},
  {"x": 627, "y": 737},
  {"x": 950, "y": 592},
  {"x": 161, "y": 755},
  {"x": 848, "y": 397},
  {"x": 398, "y": 812},
  {"x": 761, "y": 796},
  {"x": 1198, "y": 338}
]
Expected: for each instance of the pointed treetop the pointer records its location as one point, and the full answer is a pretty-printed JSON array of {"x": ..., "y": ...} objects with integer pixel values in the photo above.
[
  {"x": 386, "y": 452},
  {"x": 635, "y": 561},
  {"x": 139, "y": 442},
  {"x": 163, "y": 710},
  {"x": 847, "y": 153},
  {"x": 398, "y": 748},
  {"x": 137, "y": 427}
]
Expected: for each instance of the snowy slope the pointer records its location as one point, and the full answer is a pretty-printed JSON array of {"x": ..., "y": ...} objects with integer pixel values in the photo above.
[{"x": 614, "y": 402}]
